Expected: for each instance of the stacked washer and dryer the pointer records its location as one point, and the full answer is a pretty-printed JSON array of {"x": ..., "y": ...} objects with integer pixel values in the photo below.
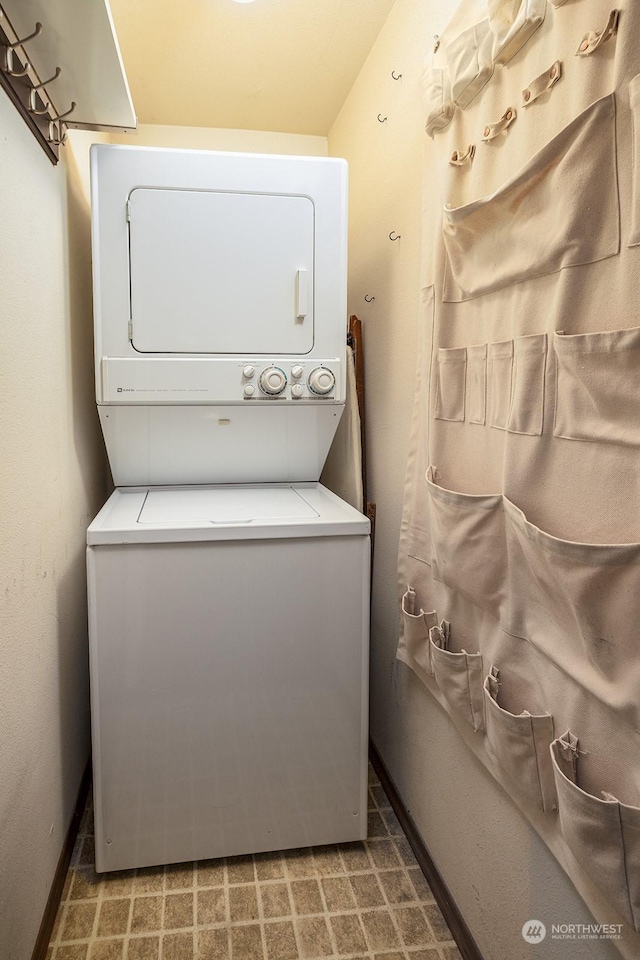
[{"x": 228, "y": 589}]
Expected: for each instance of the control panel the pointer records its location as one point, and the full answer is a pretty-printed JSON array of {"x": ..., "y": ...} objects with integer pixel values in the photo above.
[
  {"x": 296, "y": 381},
  {"x": 190, "y": 380}
]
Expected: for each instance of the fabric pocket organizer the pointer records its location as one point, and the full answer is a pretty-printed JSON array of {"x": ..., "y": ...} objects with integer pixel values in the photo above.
[
  {"x": 520, "y": 745},
  {"x": 500, "y": 382},
  {"x": 468, "y": 543},
  {"x": 512, "y": 23},
  {"x": 477, "y": 383},
  {"x": 602, "y": 834},
  {"x": 527, "y": 401},
  {"x": 470, "y": 62},
  {"x": 438, "y": 103},
  {"x": 597, "y": 390},
  {"x": 450, "y": 384},
  {"x": 458, "y": 675},
  {"x": 577, "y": 603},
  {"x": 560, "y": 210},
  {"x": 416, "y": 626},
  {"x": 634, "y": 97}
]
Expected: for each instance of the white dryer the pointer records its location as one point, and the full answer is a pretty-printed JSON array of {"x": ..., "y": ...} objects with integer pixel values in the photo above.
[{"x": 228, "y": 590}]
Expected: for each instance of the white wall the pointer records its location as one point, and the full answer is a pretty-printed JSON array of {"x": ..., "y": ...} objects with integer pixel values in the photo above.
[
  {"x": 213, "y": 138},
  {"x": 52, "y": 481},
  {"x": 496, "y": 867}
]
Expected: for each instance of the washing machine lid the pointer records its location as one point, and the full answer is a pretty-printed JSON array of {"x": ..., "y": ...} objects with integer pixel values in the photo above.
[
  {"x": 224, "y": 512},
  {"x": 224, "y": 504}
]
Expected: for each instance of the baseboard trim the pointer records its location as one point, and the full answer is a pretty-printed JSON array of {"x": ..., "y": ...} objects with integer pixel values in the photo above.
[
  {"x": 460, "y": 931},
  {"x": 59, "y": 877}
]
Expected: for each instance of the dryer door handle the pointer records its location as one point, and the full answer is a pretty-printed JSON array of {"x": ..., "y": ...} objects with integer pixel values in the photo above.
[{"x": 302, "y": 294}]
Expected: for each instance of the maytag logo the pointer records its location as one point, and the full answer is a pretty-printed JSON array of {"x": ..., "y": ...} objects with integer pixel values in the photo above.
[{"x": 534, "y": 931}]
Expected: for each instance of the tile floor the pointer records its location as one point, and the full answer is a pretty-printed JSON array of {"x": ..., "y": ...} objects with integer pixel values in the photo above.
[{"x": 362, "y": 901}]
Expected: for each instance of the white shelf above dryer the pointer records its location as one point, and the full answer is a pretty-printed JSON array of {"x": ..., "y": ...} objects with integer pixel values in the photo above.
[{"x": 70, "y": 56}]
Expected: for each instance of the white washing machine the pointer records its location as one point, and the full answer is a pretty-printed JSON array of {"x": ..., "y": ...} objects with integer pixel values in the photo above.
[{"x": 228, "y": 590}]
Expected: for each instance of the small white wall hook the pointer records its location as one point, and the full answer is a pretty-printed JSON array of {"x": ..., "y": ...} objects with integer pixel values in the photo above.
[
  {"x": 382, "y": 119},
  {"x": 396, "y": 237},
  {"x": 393, "y": 74}
]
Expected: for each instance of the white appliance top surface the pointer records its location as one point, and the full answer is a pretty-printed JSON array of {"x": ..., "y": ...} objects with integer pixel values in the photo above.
[
  {"x": 224, "y": 504},
  {"x": 224, "y": 512}
]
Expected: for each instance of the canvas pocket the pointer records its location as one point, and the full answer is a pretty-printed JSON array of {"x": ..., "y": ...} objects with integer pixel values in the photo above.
[
  {"x": 500, "y": 380},
  {"x": 577, "y": 602},
  {"x": 597, "y": 387},
  {"x": 634, "y": 96},
  {"x": 459, "y": 677},
  {"x": 477, "y": 383},
  {"x": 512, "y": 23},
  {"x": 415, "y": 635},
  {"x": 450, "y": 384},
  {"x": 470, "y": 62},
  {"x": 561, "y": 209},
  {"x": 520, "y": 745},
  {"x": 468, "y": 543},
  {"x": 438, "y": 102},
  {"x": 527, "y": 404},
  {"x": 603, "y": 834}
]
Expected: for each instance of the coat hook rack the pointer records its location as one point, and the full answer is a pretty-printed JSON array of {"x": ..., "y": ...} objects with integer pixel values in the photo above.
[
  {"x": 382, "y": 119},
  {"x": 10, "y": 51},
  {"x": 34, "y": 95},
  {"x": 57, "y": 135},
  {"x": 368, "y": 298},
  {"x": 25, "y": 89},
  {"x": 396, "y": 237},
  {"x": 393, "y": 74}
]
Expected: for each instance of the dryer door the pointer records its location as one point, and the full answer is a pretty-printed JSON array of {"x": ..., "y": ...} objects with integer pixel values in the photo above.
[{"x": 220, "y": 273}]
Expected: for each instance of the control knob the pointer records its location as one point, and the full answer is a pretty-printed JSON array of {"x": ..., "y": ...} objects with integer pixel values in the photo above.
[
  {"x": 321, "y": 381},
  {"x": 272, "y": 381},
  {"x": 297, "y": 371},
  {"x": 297, "y": 390}
]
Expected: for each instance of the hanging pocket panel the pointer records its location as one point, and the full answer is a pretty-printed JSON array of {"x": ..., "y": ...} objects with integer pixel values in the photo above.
[
  {"x": 560, "y": 210},
  {"x": 470, "y": 62},
  {"x": 414, "y": 640},
  {"x": 634, "y": 97},
  {"x": 512, "y": 23},
  {"x": 500, "y": 383},
  {"x": 520, "y": 745},
  {"x": 579, "y": 603},
  {"x": 477, "y": 383},
  {"x": 527, "y": 405},
  {"x": 597, "y": 387},
  {"x": 459, "y": 678},
  {"x": 468, "y": 544},
  {"x": 450, "y": 384},
  {"x": 602, "y": 834},
  {"x": 438, "y": 103}
]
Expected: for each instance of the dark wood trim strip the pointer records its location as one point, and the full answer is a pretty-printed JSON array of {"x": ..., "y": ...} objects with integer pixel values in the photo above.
[
  {"x": 460, "y": 931},
  {"x": 59, "y": 877}
]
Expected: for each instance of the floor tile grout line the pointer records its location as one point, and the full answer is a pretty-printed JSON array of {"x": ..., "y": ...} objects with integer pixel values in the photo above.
[{"x": 419, "y": 900}]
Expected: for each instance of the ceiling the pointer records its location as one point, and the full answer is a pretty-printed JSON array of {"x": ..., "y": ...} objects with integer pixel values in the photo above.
[{"x": 281, "y": 65}]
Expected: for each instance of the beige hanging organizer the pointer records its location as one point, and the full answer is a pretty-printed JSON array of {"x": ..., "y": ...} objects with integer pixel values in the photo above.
[{"x": 519, "y": 567}]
